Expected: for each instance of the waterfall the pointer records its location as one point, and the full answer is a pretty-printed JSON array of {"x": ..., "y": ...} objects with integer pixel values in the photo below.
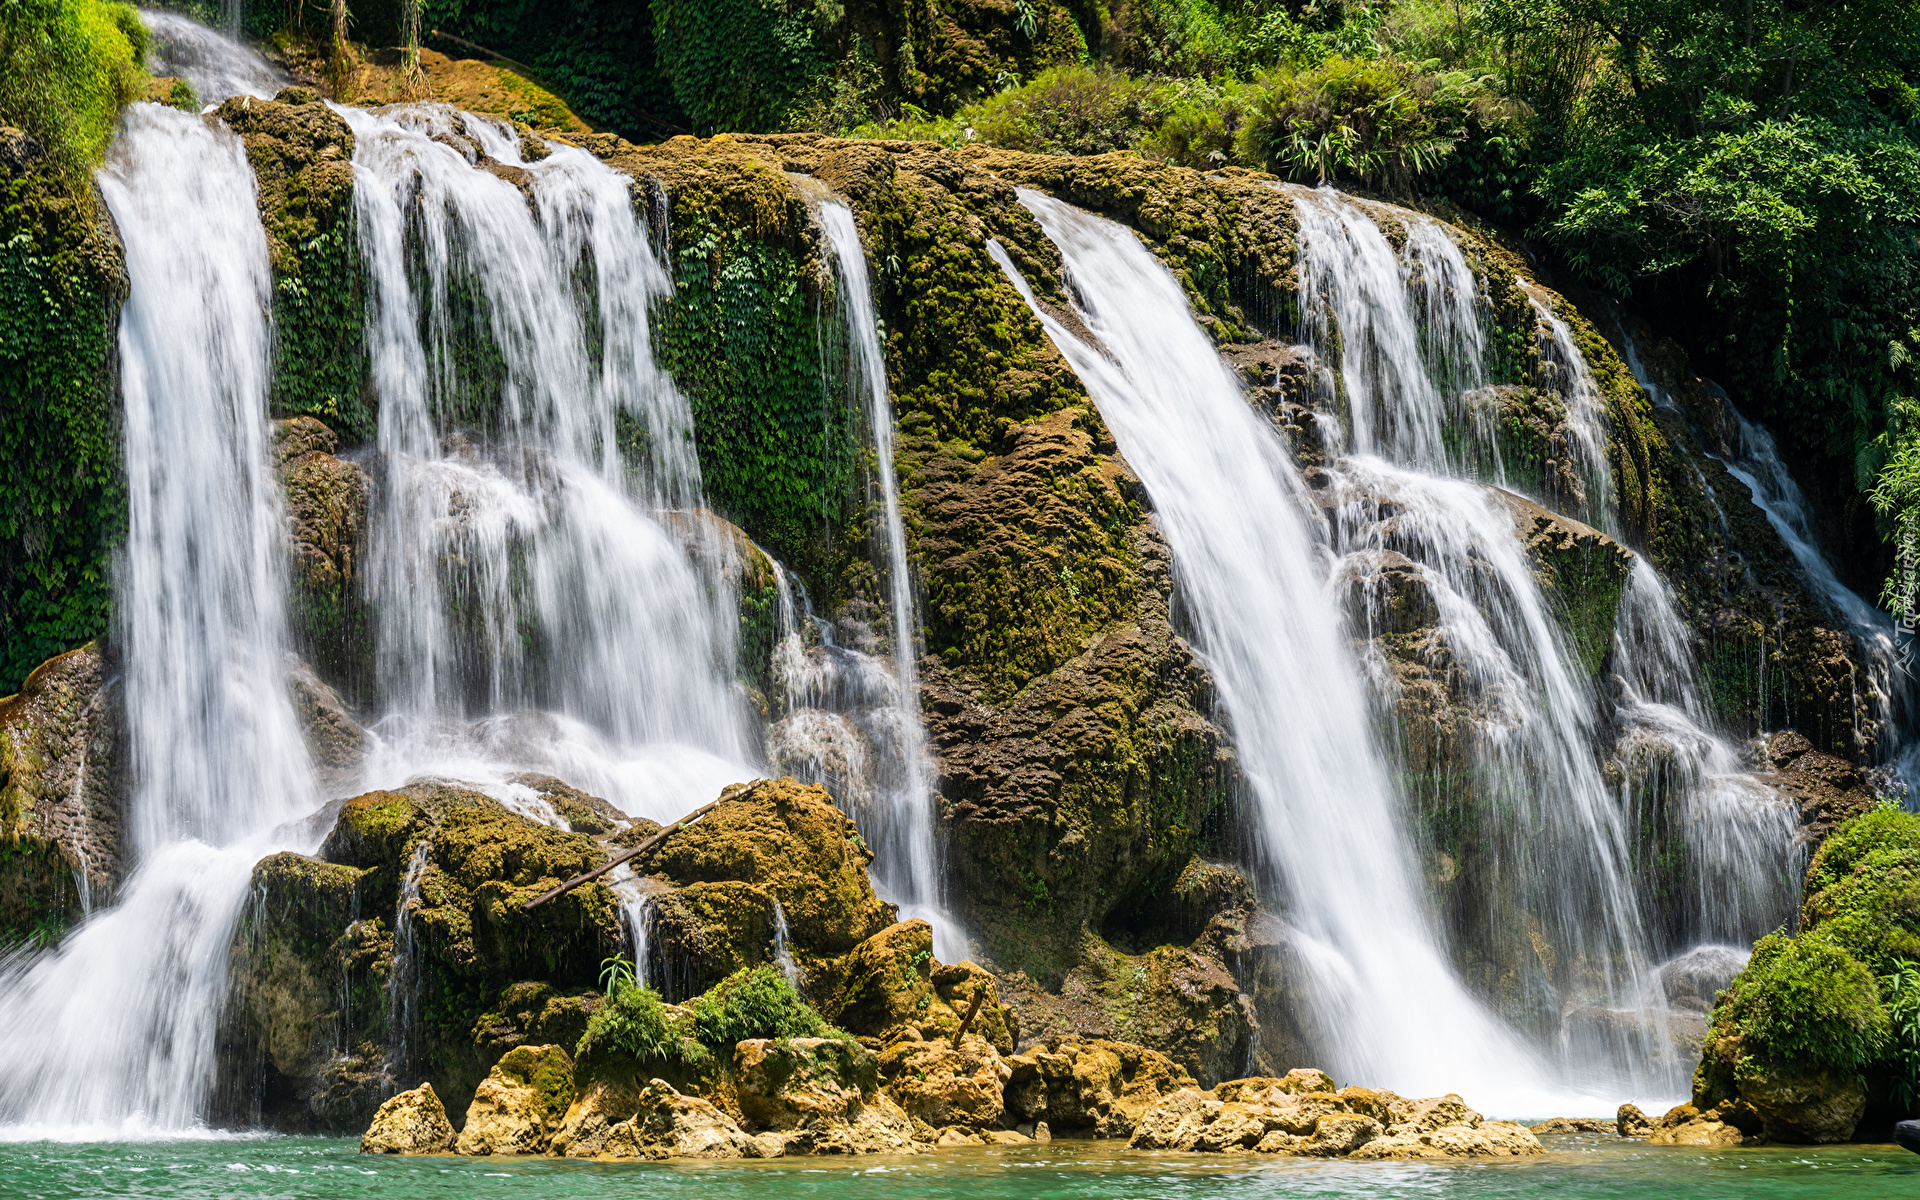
[
  {"x": 113, "y": 1033},
  {"x": 1389, "y": 1008},
  {"x": 217, "y": 67},
  {"x": 899, "y": 824},
  {"x": 403, "y": 976},
  {"x": 1741, "y": 836},
  {"x": 782, "y": 954},
  {"x": 546, "y": 596}
]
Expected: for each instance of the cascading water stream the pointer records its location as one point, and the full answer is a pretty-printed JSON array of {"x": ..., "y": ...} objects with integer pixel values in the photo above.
[
  {"x": 1388, "y": 1006},
  {"x": 113, "y": 1033},
  {"x": 215, "y": 66},
  {"x": 543, "y": 601},
  {"x": 1570, "y": 850},
  {"x": 899, "y": 824}
]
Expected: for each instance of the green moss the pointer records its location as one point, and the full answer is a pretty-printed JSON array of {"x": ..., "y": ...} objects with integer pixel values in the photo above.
[
  {"x": 63, "y": 504},
  {"x": 1850, "y": 845},
  {"x": 744, "y": 339},
  {"x": 1875, "y": 911},
  {"x": 1802, "y": 1004},
  {"x": 548, "y": 1070},
  {"x": 66, "y": 69}
]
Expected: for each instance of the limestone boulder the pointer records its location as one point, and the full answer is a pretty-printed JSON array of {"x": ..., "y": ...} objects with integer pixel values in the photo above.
[
  {"x": 520, "y": 1103},
  {"x": 890, "y": 983},
  {"x": 413, "y": 1122},
  {"x": 941, "y": 1084},
  {"x": 819, "y": 1095},
  {"x": 63, "y": 792},
  {"x": 1090, "y": 1088},
  {"x": 1282, "y": 1116},
  {"x": 670, "y": 1125}
]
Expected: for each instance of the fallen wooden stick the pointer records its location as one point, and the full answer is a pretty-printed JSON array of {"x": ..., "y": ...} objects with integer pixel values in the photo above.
[{"x": 624, "y": 855}]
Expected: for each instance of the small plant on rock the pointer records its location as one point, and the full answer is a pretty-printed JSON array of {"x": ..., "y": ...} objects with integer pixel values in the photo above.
[
  {"x": 635, "y": 1022},
  {"x": 759, "y": 1002}
]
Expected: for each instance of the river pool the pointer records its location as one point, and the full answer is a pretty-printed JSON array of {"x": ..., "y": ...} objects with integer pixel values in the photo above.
[{"x": 1574, "y": 1168}]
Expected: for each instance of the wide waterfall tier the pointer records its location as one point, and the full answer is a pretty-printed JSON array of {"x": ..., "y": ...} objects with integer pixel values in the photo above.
[
  {"x": 1332, "y": 841},
  {"x": 1486, "y": 620},
  {"x": 544, "y": 596}
]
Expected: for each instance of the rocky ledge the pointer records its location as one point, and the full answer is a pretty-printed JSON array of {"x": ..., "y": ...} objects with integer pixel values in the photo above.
[{"x": 816, "y": 1096}]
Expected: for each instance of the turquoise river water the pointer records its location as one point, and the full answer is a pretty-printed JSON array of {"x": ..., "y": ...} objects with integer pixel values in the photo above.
[{"x": 1575, "y": 1168}]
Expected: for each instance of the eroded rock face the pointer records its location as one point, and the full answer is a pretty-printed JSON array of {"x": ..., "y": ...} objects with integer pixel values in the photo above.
[
  {"x": 670, "y": 1125},
  {"x": 941, "y": 1084},
  {"x": 326, "y": 503},
  {"x": 63, "y": 792},
  {"x": 520, "y": 1104},
  {"x": 822, "y": 1094},
  {"x": 776, "y": 839},
  {"x": 1092, "y": 1088},
  {"x": 890, "y": 984},
  {"x": 413, "y": 1122},
  {"x": 1829, "y": 790},
  {"x": 1281, "y": 1116}
]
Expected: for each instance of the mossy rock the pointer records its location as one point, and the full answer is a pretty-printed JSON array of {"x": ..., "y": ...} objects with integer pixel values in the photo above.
[
  {"x": 63, "y": 501},
  {"x": 776, "y": 839},
  {"x": 301, "y": 152},
  {"x": 891, "y": 983},
  {"x": 472, "y": 933}
]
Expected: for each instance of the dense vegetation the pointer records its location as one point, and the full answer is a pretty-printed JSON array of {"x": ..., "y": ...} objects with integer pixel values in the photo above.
[
  {"x": 66, "y": 67},
  {"x": 1745, "y": 175},
  {"x": 1841, "y": 999},
  {"x": 758, "y": 1002}
]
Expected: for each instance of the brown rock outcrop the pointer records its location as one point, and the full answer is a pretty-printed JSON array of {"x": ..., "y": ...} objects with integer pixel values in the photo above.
[{"x": 413, "y": 1122}]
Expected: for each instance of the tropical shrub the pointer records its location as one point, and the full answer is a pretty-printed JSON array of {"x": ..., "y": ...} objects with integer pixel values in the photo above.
[
  {"x": 635, "y": 1022},
  {"x": 67, "y": 67},
  {"x": 1802, "y": 1003},
  {"x": 758, "y": 1002},
  {"x": 1374, "y": 120}
]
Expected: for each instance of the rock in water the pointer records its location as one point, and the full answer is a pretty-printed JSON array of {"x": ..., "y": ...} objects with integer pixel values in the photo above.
[
  {"x": 1094, "y": 1087},
  {"x": 1907, "y": 1133},
  {"x": 413, "y": 1122},
  {"x": 520, "y": 1104},
  {"x": 670, "y": 1125},
  {"x": 1265, "y": 1115},
  {"x": 821, "y": 1095}
]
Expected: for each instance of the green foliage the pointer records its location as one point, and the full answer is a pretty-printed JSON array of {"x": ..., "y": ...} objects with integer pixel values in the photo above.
[
  {"x": 1065, "y": 110},
  {"x": 759, "y": 1002},
  {"x": 616, "y": 972},
  {"x": 736, "y": 65},
  {"x": 319, "y": 316},
  {"x": 597, "y": 54},
  {"x": 66, "y": 69},
  {"x": 1367, "y": 119},
  {"x": 1849, "y": 845},
  {"x": 1875, "y": 911},
  {"x": 635, "y": 1022},
  {"x": 743, "y": 339},
  {"x": 1806, "y": 1004},
  {"x": 1901, "y": 990},
  {"x": 62, "y": 498}
]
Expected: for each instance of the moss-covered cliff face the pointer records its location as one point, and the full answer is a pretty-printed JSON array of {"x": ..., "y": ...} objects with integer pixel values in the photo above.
[
  {"x": 340, "y": 988},
  {"x": 1078, "y": 762},
  {"x": 63, "y": 787},
  {"x": 301, "y": 152},
  {"x": 62, "y": 495}
]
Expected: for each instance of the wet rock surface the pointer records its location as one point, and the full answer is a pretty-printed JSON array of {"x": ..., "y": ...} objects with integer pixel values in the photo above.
[
  {"x": 1302, "y": 1115},
  {"x": 64, "y": 783},
  {"x": 413, "y": 1122}
]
